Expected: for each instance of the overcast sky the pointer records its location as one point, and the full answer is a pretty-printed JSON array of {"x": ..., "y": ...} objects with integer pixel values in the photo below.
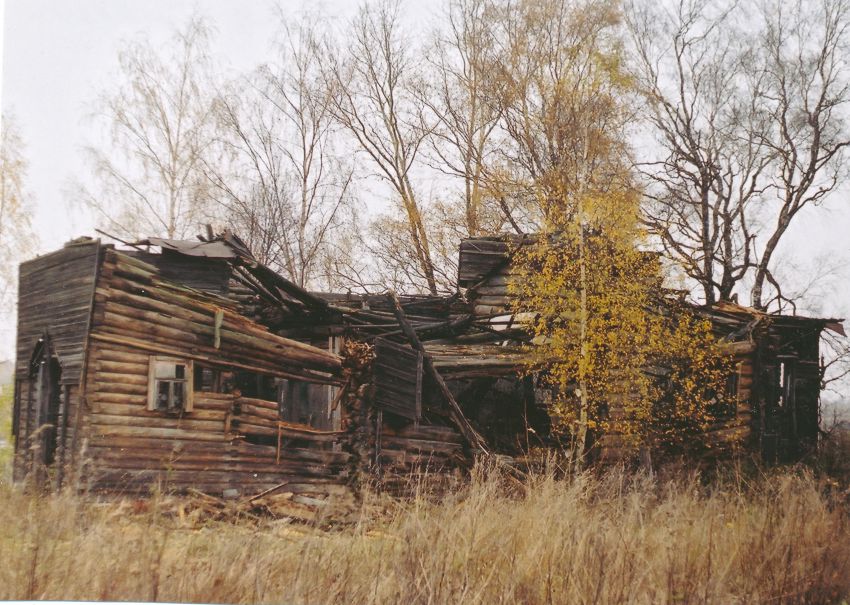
[{"x": 57, "y": 56}]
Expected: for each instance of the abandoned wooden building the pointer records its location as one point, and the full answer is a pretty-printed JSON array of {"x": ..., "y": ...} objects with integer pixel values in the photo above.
[{"x": 190, "y": 364}]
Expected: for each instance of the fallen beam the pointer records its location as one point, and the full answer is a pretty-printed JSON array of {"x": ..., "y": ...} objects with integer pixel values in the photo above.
[{"x": 456, "y": 414}]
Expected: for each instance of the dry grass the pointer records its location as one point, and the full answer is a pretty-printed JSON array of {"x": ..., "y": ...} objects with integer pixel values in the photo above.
[{"x": 615, "y": 539}]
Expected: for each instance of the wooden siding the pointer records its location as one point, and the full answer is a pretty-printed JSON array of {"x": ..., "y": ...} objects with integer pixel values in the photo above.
[
  {"x": 68, "y": 428},
  {"x": 398, "y": 379},
  {"x": 54, "y": 295}
]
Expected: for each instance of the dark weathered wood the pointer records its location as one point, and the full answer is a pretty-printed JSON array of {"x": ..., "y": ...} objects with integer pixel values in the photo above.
[
  {"x": 54, "y": 295},
  {"x": 471, "y": 435},
  {"x": 398, "y": 379}
]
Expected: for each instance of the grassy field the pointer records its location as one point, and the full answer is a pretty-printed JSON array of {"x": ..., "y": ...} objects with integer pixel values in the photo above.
[{"x": 618, "y": 538}]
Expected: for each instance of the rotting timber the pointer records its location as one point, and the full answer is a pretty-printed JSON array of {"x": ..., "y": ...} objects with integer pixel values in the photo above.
[{"x": 193, "y": 366}]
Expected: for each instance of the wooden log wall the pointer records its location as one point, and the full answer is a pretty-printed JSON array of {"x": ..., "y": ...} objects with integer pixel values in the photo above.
[
  {"x": 224, "y": 442},
  {"x": 201, "y": 273},
  {"x": 484, "y": 264},
  {"x": 726, "y": 436},
  {"x": 455, "y": 361},
  {"x": 208, "y": 448},
  {"x": 134, "y": 306},
  {"x": 407, "y": 453}
]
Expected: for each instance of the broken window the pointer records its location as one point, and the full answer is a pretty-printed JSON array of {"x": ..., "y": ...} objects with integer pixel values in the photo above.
[
  {"x": 306, "y": 403},
  {"x": 170, "y": 385},
  {"x": 256, "y": 386},
  {"x": 208, "y": 380}
]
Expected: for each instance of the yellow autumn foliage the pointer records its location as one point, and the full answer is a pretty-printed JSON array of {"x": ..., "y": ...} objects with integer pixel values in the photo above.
[{"x": 653, "y": 372}]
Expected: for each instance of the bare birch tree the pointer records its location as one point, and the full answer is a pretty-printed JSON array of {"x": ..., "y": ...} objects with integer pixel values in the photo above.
[
  {"x": 749, "y": 131},
  {"x": 280, "y": 181},
  {"x": 377, "y": 105},
  {"x": 462, "y": 94},
  {"x": 18, "y": 242},
  {"x": 158, "y": 118},
  {"x": 805, "y": 57}
]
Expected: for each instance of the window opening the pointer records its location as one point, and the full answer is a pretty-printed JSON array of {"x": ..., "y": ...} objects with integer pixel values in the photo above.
[
  {"x": 208, "y": 380},
  {"x": 256, "y": 386},
  {"x": 302, "y": 402},
  {"x": 170, "y": 388}
]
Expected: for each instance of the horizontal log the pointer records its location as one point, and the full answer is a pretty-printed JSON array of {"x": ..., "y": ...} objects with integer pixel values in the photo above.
[
  {"x": 102, "y": 431},
  {"x": 110, "y": 378},
  {"x": 418, "y": 445},
  {"x": 486, "y": 310},
  {"x": 249, "y": 426},
  {"x": 243, "y": 449},
  {"x": 503, "y": 279},
  {"x": 247, "y": 410},
  {"x": 424, "y": 431},
  {"x": 738, "y": 348},
  {"x": 116, "y": 388},
  {"x": 176, "y": 445},
  {"x": 121, "y": 367},
  {"x": 99, "y": 397},
  {"x": 259, "y": 403},
  {"x": 140, "y": 411},
  {"x": 492, "y": 289},
  {"x": 494, "y": 300},
  {"x": 300, "y": 468},
  {"x": 214, "y": 397},
  {"x": 396, "y": 461},
  {"x": 186, "y": 422},
  {"x": 111, "y": 353}
]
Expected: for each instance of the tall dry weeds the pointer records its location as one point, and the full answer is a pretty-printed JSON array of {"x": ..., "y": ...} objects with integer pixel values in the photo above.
[{"x": 616, "y": 539}]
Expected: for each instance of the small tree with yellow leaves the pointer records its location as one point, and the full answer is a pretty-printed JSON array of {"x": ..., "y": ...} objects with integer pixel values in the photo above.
[{"x": 620, "y": 361}]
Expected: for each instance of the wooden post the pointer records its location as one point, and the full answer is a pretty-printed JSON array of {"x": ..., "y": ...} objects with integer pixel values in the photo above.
[
  {"x": 472, "y": 436},
  {"x": 219, "y": 319},
  {"x": 279, "y": 439}
]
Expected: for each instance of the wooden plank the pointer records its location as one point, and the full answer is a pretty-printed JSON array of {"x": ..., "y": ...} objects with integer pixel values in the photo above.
[
  {"x": 471, "y": 435},
  {"x": 397, "y": 371}
]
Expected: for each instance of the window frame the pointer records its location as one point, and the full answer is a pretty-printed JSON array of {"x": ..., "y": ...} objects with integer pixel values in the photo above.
[{"x": 153, "y": 383}]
